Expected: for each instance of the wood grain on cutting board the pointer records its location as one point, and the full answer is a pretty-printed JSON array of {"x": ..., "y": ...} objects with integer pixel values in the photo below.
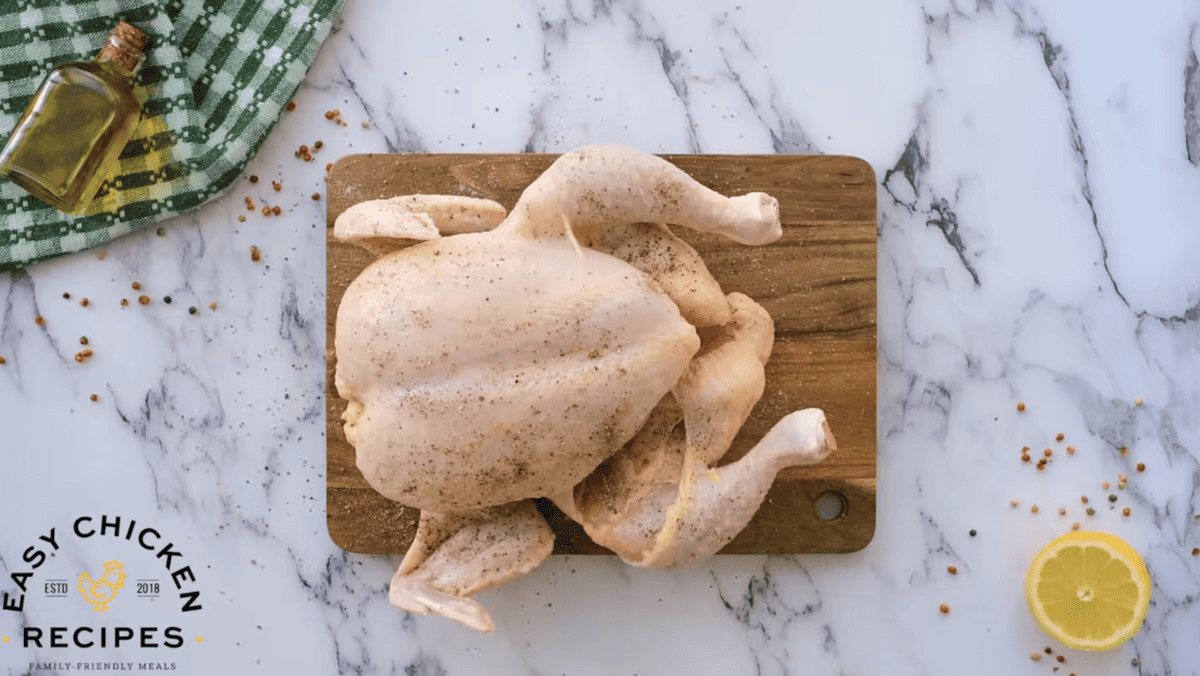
[{"x": 818, "y": 282}]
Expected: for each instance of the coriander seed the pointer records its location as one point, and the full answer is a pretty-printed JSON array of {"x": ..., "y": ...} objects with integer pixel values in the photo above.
[
  {"x": 1141, "y": 467},
  {"x": 945, "y": 608}
]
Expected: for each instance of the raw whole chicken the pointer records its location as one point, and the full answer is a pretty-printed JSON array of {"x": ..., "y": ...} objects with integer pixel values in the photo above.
[{"x": 573, "y": 349}]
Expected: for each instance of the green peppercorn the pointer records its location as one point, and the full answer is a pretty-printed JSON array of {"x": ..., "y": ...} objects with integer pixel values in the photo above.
[
  {"x": 166, "y": 299},
  {"x": 972, "y": 532},
  {"x": 192, "y": 310},
  {"x": 1112, "y": 498}
]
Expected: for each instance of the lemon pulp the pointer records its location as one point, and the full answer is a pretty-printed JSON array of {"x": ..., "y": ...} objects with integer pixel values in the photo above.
[{"x": 1089, "y": 590}]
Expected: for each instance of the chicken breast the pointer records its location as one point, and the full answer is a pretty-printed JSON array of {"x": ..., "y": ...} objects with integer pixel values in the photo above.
[{"x": 555, "y": 355}]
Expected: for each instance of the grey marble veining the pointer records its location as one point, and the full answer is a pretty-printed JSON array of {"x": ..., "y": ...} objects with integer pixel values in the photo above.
[{"x": 1039, "y": 189}]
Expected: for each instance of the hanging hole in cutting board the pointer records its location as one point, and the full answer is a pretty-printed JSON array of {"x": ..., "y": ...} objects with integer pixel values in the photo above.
[{"x": 830, "y": 505}]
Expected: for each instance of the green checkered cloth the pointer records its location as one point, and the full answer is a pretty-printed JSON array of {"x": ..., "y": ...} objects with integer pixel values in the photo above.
[{"x": 217, "y": 76}]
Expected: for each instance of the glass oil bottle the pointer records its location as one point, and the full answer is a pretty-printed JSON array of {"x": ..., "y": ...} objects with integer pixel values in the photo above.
[{"x": 67, "y": 141}]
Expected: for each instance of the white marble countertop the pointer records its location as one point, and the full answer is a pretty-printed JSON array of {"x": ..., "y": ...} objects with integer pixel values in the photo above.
[{"x": 1039, "y": 191}]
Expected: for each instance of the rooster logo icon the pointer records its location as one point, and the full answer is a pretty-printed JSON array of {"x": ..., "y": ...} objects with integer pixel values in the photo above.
[{"x": 101, "y": 592}]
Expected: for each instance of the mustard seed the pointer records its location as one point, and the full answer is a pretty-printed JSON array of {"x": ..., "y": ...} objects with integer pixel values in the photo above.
[
  {"x": 944, "y": 608},
  {"x": 1070, "y": 450},
  {"x": 953, "y": 570},
  {"x": 136, "y": 286},
  {"x": 144, "y": 299},
  {"x": 1125, "y": 511}
]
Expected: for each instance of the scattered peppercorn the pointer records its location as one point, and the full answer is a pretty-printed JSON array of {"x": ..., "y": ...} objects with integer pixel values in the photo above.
[
  {"x": 277, "y": 185},
  {"x": 212, "y": 305},
  {"x": 318, "y": 145},
  {"x": 303, "y": 149},
  {"x": 1084, "y": 499},
  {"x": 944, "y": 608},
  {"x": 83, "y": 340},
  {"x": 277, "y": 210},
  {"x": 1015, "y": 503},
  {"x": 316, "y": 196},
  {"x": 136, "y": 286},
  {"x": 253, "y": 179},
  {"x": 1141, "y": 467},
  {"x": 241, "y": 219},
  {"x": 290, "y": 106},
  {"x": 366, "y": 124},
  {"x": 1048, "y": 650},
  {"x": 1048, "y": 453},
  {"x": 1195, "y": 550},
  {"x": 328, "y": 166},
  {"x": 124, "y": 301},
  {"x": 3, "y": 360},
  {"x": 330, "y": 114},
  {"x": 192, "y": 310},
  {"x": 1112, "y": 498},
  {"x": 84, "y": 302},
  {"x": 160, "y": 232},
  {"x": 1062, "y": 511},
  {"x": 95, "y": 397},
  {"x": 1061, "y": 659},
  {"x": 1091, "y": 511},
  {"x": 1020, "y": 406},
  {"x": 972, "y": 532},
  {"x": 66, "y": 295},
  {"x": 255, "y": 254},
  {"x": 83, "y": 355},
  {"x": 953, "y": 570},
  {"x": 1124, "y": 450},
  {"x": 1075, "y": 526},
  {"x": 266, "y": 211},
  {"x": 1125, "y": 511},
  {"x": 144, "y": 299},
  {"x": 1059, "y": 436},
  {"x": 1034, "y": 509},
  {"x": 39, "y": 320},
  {"x": 1025, "y": 457},
  {"x": 1070, "y": 450}
]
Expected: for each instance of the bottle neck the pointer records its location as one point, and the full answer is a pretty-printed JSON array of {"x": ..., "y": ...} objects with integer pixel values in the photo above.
[{"x": 120, "y": 57}]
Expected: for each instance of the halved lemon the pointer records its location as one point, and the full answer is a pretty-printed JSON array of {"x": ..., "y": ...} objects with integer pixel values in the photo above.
[{"x": 1089, "y": 590}]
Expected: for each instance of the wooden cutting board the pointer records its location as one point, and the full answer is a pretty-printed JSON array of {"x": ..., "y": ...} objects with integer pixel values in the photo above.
[{"x": 818, "y": 282}]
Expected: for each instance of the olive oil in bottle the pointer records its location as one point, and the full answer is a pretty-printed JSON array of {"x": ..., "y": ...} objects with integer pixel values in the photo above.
[{"x": 67, "y": 141}]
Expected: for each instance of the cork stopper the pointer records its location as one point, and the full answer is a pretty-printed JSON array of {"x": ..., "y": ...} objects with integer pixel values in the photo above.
[{"x": 124, "y": 45}]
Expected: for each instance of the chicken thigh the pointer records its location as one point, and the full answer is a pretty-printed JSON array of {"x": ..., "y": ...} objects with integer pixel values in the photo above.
[{"x": 578, "y": 351}]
